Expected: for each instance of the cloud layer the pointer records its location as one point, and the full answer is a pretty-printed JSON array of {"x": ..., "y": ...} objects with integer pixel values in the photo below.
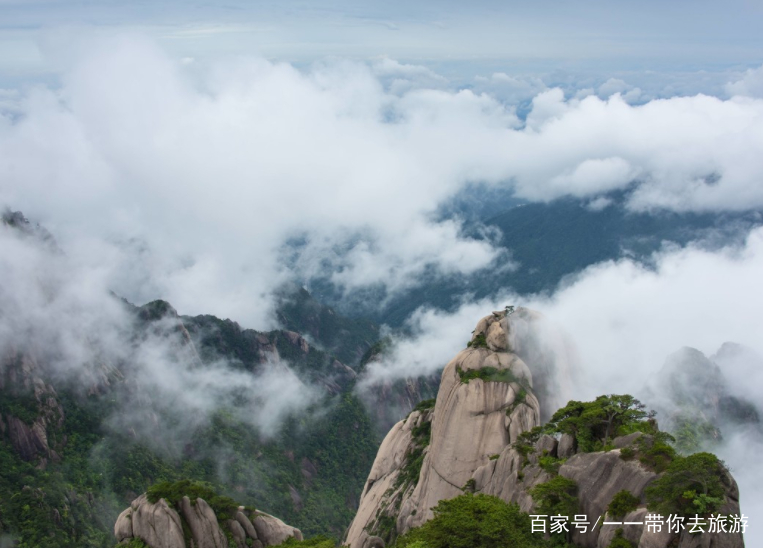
[
  {"x": 624, "y": 319},
  {"x": 185, "y": 180},
  {"x": 62, "y": 315}
]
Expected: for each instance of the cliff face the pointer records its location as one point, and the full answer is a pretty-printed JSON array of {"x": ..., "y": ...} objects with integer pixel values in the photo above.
[
  {"x": 467, "y": 441},
  {"x": 473, "y": 420},
  {"x": 30, "y": 414}
]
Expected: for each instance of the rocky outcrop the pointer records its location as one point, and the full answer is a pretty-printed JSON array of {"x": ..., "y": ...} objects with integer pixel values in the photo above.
[
  {"x": 35, "y": 432},
  {"x": 386, "y": 486},
  {"x": 202, "y": 522},
  {"x": 160, "y": 525},
  {"x": 470, "y": 441},
  {"x": 485, "y": 400},
  {"x": 29, "y": 442},
  {"x": 271, "y": 531}
]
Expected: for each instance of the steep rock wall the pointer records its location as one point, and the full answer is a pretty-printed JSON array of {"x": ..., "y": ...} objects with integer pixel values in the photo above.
[{"x": 485, "y": 401}]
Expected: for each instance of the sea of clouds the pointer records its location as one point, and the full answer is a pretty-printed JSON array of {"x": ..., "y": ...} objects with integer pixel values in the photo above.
[{"x": 166, "y": 178}]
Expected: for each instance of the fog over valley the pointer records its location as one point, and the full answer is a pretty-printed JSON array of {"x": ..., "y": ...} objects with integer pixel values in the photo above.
[{"x": 236, "y": 250}]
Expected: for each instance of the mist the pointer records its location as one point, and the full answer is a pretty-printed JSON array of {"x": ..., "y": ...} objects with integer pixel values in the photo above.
[
  {"x": 191, "y": 180},
  {"x": 81, "y": 335},
  {"x": 621, "y": 320},
  {"x": 187, "y": 180}
]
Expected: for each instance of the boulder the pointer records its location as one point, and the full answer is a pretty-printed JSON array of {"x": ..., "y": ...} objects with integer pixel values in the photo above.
[
  {"x": 245, "y": 523},
  {"x": 625, "y": 441},
  {"x": 497, "y": 337},
  {"x": 123, "y": 525},
  {"x": 202, "y": 522},
  {"x": 547, "y": 444},
  {"x": 473, "y": 421},
  {"x": 157, "y": 524},
  {"x": 510, "y": 478},
  {"x": 374, "y": 542},
  {"x": 385, "y": 470},
  {"x": 566, "y": 447},
  {"x": 272, "y": 531},
  {"x": 238, "y": 533}
]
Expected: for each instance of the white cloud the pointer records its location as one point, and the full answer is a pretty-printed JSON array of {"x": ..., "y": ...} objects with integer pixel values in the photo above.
[
  {"x": 401, "y": 78},
  {"x": 596, "y": 175},
  {"x": 61, "y": 314},
  {"x": 624, "y": 319},
  {"x": 510, "y": 89},
  {"x": 749, "y": 85},
  {"x": 208, "y": 168},
  {"x": 599, "y": 204}
]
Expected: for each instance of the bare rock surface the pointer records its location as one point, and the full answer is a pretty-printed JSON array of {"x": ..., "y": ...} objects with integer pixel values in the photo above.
[
  {"x": 473, "y": 420},
  {"x": 486, "y": 400},
  {"x": 123, "y": 525},
  {"x": 238, "y": 533},
  {"x": 29, "y": 442},
  {"x": 272, "y": 531},
  {"x": 158, "y": 525},
  {"x": 245, "y": 523},
  {"x": 202, "y": 521}
]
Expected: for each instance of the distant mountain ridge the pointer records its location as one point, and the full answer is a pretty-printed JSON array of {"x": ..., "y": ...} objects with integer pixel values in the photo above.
[
  {"x": 546, "y": 242},
  {"x": 81, "y": 440}
]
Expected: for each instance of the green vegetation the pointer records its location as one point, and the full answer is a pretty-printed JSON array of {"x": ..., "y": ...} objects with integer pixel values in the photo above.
[
  {"x": 425, "y": 405},
  {"x": 309, "y": 473},
  {"x": 172, "y": 492},
  {"x": 63, "y": 505},
  {"x": 346, "y": 338},
  {"x": 22, "y": 405},
  {"x": 321, "y": 541},
  {"x": 550, "y": 464},
  {"x": 691, "y": 485},
  {"x": 655, "y": 451},
  {"x": 627, "y": 453},
  {"x": 478, "y": 342},
  {"x": 623, "y": 502},
  {"x": 594, "y": 424},
  {"x": 414, "y": 458},
  {"x": 487, "y": 374},
  {"x": 134, "y": 543},
  {"x": 693, "y": 433},
  {"x": 619, "y": 541},
  {"x": 474, "y": 521},
  {"x": 557, "y": 497},
  {"x": 525, "y": 443}
]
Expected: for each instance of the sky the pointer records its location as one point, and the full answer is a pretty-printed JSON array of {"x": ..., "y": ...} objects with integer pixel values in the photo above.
[
  {"x": 173, "y": 149},
  {"x": 680, "y": 39}
]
